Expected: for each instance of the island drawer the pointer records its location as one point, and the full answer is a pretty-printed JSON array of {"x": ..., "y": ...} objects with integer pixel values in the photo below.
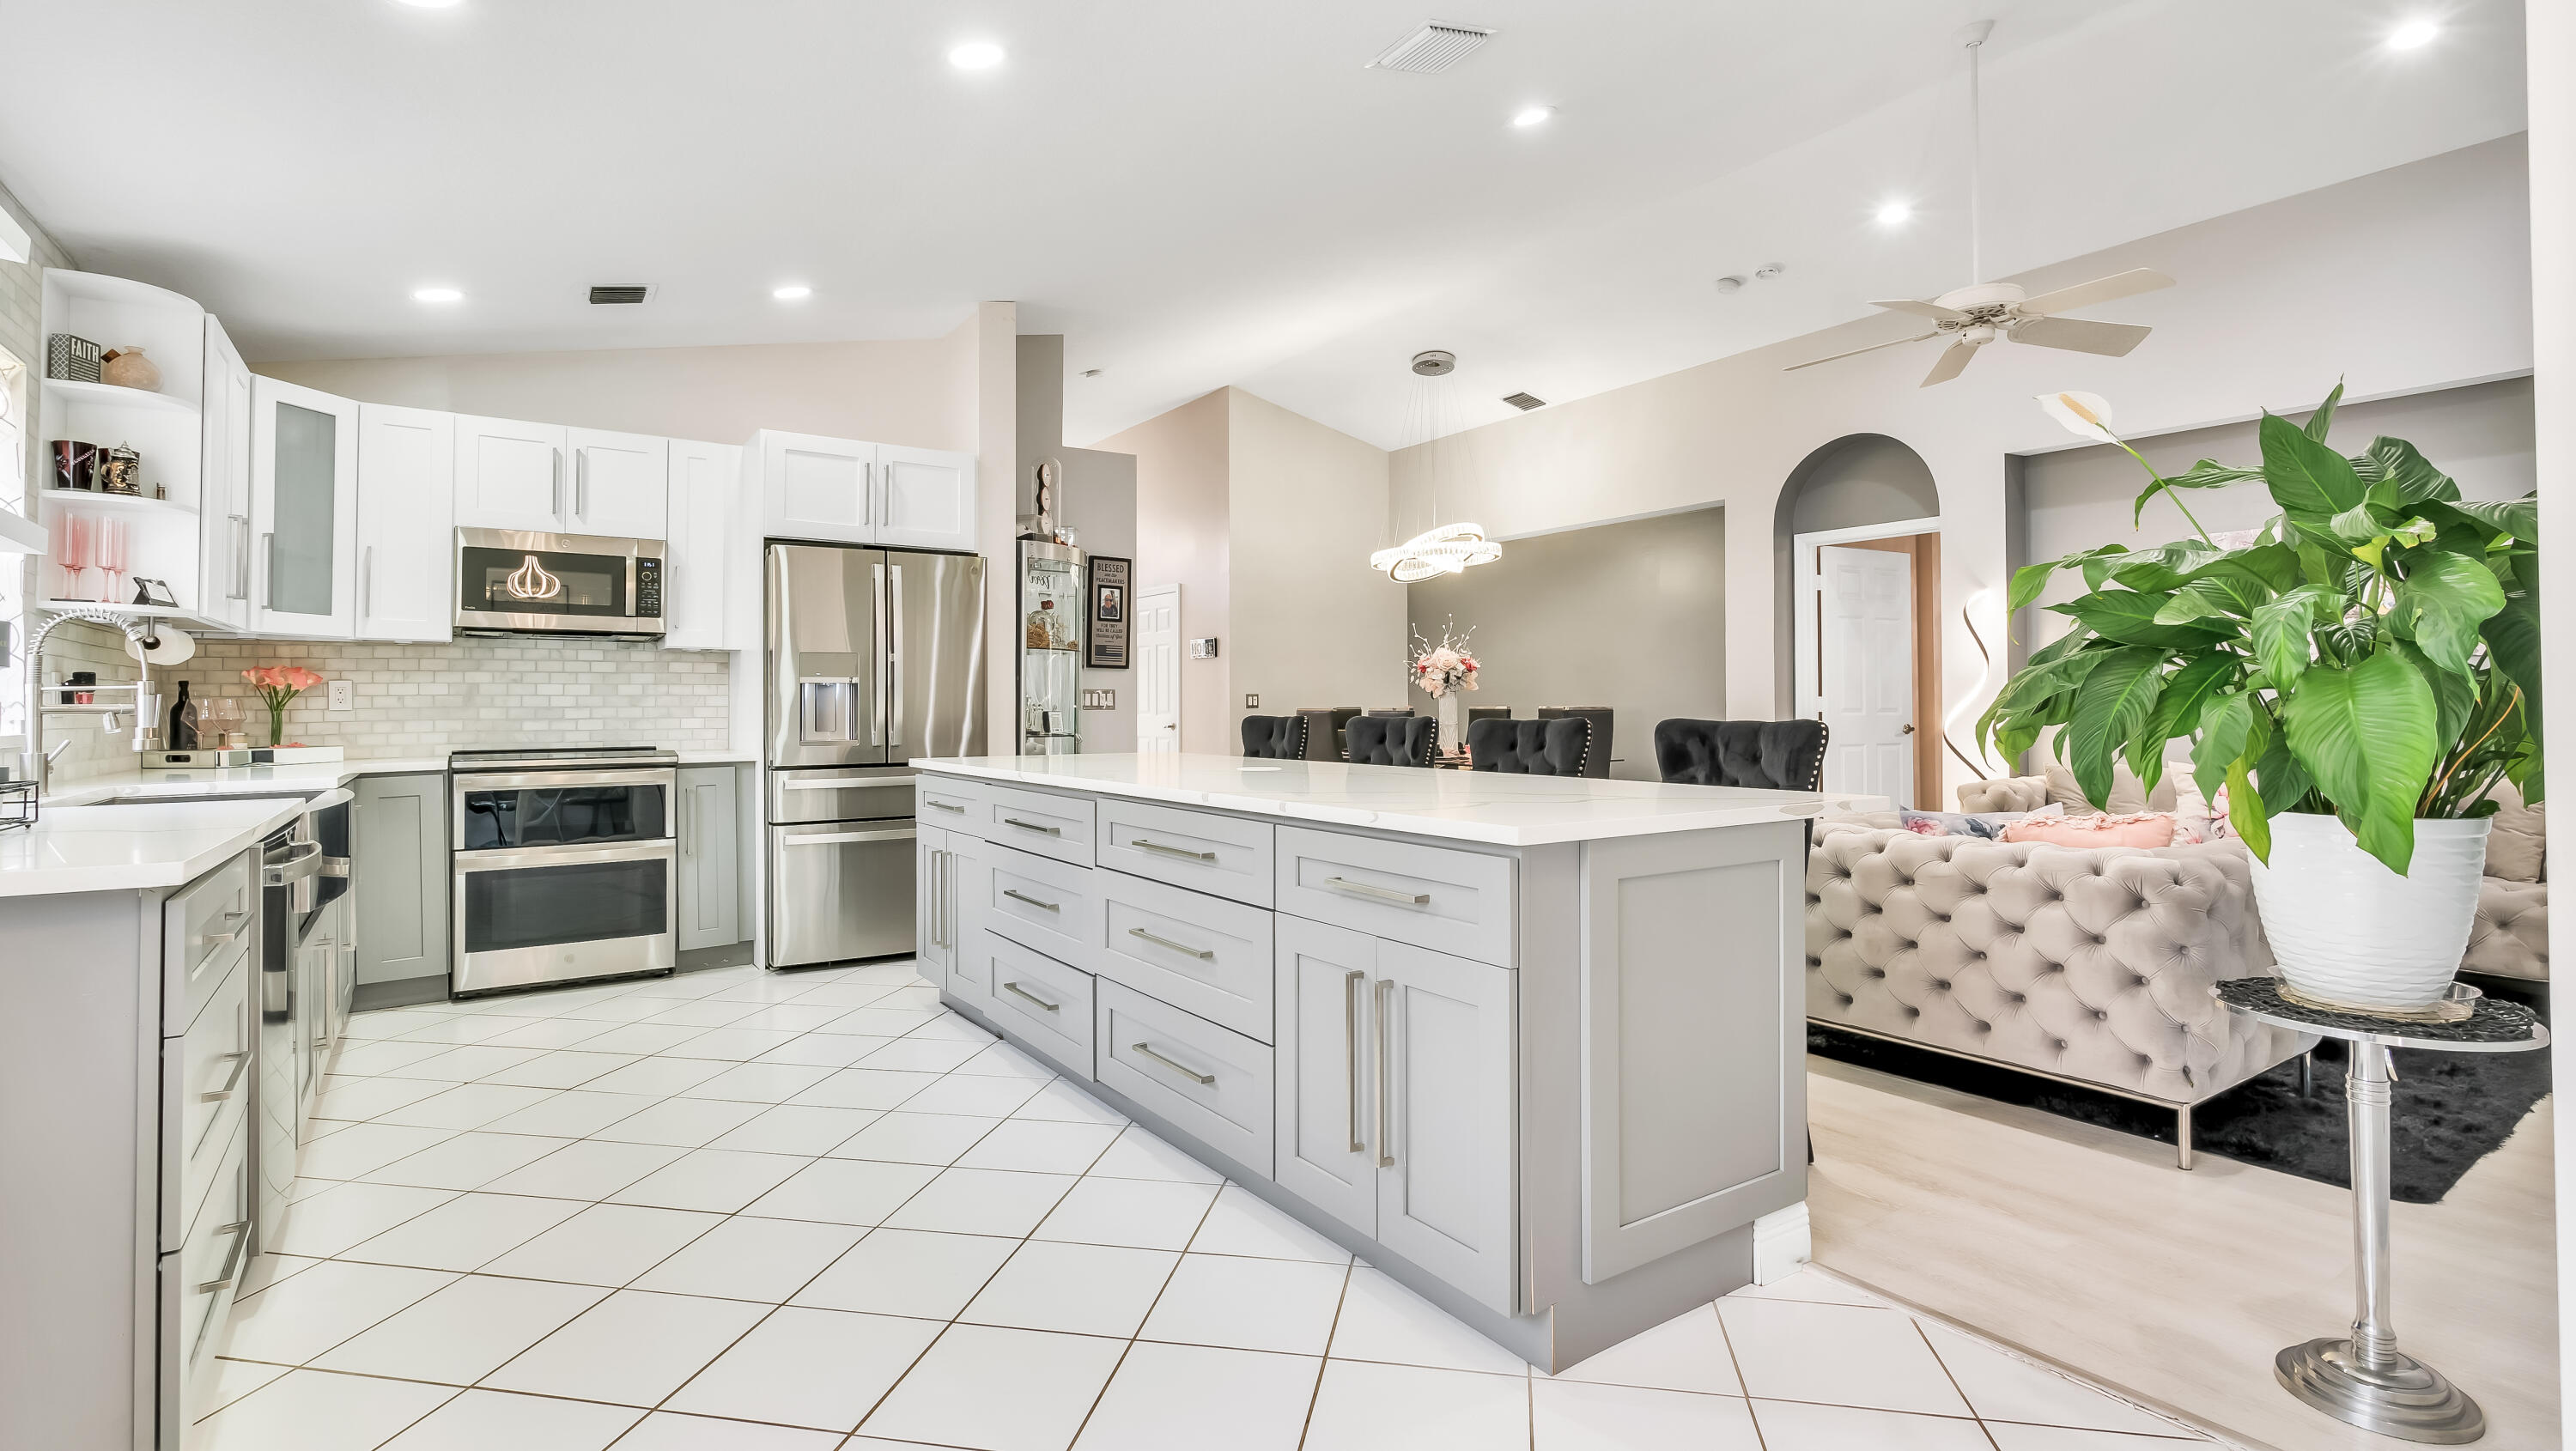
[
  {"x": 1047, "y": 1003},
  {"x": 1210, "y": 1081},
  {"x": 203, "y": 924},
  {"x": 1038, "y": 902},
  {"x": 198, "y": 1280},
  {"x": 1056, "y": 826},
  {"x": 1202, "y": 954},
  {"x": 1226, "y": 855},
  {"x": 205, "y": 1082},
  {"x": 948, "y": 801},
  {"x": 1457, "y": 902}
]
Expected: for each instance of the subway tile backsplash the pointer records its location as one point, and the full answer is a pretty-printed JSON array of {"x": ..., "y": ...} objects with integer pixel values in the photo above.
[{"x": 425, "y": 700}]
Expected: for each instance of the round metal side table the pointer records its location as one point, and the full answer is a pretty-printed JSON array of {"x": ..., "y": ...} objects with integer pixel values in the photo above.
[{"x": 2363, "y": 1378}]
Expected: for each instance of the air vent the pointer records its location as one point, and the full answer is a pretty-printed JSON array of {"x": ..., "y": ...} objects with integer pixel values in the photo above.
[
  {"x": 1434, "y": 48},
  {"x": 1524, "y": 402},
  {"x": 620, "y": 294}
]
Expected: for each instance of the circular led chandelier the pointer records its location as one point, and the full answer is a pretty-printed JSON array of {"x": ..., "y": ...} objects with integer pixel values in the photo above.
[{"x": 1444, "y": 548}]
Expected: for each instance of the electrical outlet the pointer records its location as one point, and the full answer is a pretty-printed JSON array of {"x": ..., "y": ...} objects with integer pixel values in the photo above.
[
  {"x": 1100, "y": 700},
  {"x": 1252, "y": 702},
  {"x": 344, "y": 695}
]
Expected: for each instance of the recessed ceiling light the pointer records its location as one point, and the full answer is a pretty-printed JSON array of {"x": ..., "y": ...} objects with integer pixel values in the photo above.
[
  {"x": 976, "y": 55},
  {"x": 2414, "y": 34},
  {"x": 436, "y": 294},
  {"x": 1895, "y": 214},
  {"x": 1528, "y": 116},
  {"x": 793, "y": 292}
]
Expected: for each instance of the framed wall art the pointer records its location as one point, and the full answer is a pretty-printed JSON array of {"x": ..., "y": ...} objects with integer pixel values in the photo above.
[{"x": 1105, "y": 646}]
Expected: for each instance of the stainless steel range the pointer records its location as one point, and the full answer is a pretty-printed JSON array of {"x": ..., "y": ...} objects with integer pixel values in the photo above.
[{"x": 564, "y": 862}]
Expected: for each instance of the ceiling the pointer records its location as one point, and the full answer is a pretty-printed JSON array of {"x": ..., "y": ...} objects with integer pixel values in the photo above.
[{"x": 1194, "y": 194}]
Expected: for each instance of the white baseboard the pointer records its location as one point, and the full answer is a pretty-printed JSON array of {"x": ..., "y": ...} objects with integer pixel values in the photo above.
[{"x": 1781, "y": 1243}]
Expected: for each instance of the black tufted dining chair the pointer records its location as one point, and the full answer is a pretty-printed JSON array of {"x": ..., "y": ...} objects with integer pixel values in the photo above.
[
  {"x": 1773, "y": 755},
  {"x": 1274, "y": 737},
  {"x": 1393, "y": 740},
  {"x": 1530, "y": 747},
  {"x": 1602, "y": 718}
]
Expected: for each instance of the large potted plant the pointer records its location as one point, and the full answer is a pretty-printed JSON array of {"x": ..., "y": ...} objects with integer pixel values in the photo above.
[{"x": 2356, "y": 676}]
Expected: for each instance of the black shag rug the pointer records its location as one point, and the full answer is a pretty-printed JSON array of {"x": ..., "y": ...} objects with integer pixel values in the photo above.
[{"x": 2452, "y": 1109}]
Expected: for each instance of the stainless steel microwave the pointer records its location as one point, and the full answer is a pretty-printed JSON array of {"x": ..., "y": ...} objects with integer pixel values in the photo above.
[{"x": 522, "y": 582}]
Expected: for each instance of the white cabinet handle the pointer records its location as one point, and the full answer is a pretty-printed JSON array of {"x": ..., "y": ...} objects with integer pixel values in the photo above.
[
  {"x": 1141, "y": 844},
  {"x": 268, "y": 570},
  {"x": 1032, "y": 826},
  {"x": 1185, "y": 1071},
  {"x": 367, "y": 583},
  {"x": 943, "y": 806},
  {"x": 554, "y": 484},
  {"x": 1385, "y": 1082},
  {"x": 1351, "y": 1046},
  {"x": 1032, "y": 901},
  {"x": 1380, "y": 894},
  {"x": 581, "y": 484},
  {"x": 241, "y": 560},
  {"x": 1017, "y": 991},
  {"x": 1201, "y": 953}
]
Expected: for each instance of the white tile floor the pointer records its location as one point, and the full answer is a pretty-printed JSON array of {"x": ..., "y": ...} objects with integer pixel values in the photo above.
[{"x": 816, "y": 1212}]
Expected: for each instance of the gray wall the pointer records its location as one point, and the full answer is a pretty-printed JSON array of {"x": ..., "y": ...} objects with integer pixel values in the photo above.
[
  {"x": 1862, "y": 478},
  {"x": 2480, "y": 434},
  {"x": 1632, "y": 616}
]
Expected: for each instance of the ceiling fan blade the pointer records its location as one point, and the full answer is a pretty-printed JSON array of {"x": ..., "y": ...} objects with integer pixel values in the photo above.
[
  {"x": 1932, "y": 310},
  {"x": 1953, "y": 361},
  {"x": 1856, "y": 352},
  {"x": 2077, "y": 335},
  {"x": 2100, "y": 289}
]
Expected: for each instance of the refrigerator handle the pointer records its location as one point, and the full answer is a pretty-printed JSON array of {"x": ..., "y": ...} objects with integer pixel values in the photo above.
[
  {"x": 893, "y": 705},
  {"x": 877, "y": 623}
]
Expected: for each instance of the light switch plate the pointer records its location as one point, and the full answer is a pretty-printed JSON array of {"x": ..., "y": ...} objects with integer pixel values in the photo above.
[
  {"x": 1203, "y": 648},
  {"x": 344, "y": 695},
  {"x": 1252, "y": 702}
]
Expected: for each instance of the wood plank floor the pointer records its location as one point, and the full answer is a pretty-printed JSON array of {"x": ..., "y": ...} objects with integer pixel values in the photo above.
[{"x": 2088, "y": 1248}]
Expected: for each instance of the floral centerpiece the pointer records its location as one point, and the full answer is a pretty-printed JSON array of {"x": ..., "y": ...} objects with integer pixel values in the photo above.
[
  {"x": 277, "y": 685},
  {"x": 1442, "y": 671},
  {"x": 2358, "y": 675}
]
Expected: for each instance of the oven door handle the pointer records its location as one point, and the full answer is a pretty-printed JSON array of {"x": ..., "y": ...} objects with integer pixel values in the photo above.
[
  {"x": 301, "y": 860},
  {"x": 667, "y": 777},
  {"x": 562, "y": 856}
]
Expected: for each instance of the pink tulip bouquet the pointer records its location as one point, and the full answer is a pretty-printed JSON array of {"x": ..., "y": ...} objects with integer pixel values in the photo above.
[{"x": 278, "y": 684}]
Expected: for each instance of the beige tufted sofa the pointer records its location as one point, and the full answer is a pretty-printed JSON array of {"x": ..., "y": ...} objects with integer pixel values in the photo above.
[{"x": 2088, "y": 966}]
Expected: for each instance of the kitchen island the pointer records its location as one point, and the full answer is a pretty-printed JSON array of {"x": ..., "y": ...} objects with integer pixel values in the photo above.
[{"x": 1531, "y": 1045}]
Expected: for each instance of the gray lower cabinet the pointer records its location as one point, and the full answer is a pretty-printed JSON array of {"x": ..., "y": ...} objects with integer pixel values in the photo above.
[
  {"x": 399, "y": 872},
  {"x": 1393, "y": 1101},
  {"x": 934, "y": 948},
  {"x": 710, "y": 863}
]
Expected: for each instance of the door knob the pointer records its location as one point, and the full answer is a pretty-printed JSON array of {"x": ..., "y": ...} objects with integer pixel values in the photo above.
[{"x": 1905, "y": 730}]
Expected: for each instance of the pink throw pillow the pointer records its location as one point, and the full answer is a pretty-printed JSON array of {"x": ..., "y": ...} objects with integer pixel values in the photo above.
[{"x": 2144, "y": 828}]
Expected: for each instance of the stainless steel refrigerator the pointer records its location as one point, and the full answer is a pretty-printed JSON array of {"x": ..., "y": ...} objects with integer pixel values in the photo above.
[{"x": 874, "y": 657}]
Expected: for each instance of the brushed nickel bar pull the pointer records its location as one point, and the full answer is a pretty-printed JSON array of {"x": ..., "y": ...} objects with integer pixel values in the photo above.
[
  {"x": 1201, "y": 953},
  {"x": 1189, "y": 1073},
  {"x": 1385, "y": 1083},
  {"x": 1141, "y": 844},
  {"x": 1032, "y": 826},
  {"x": 1382, "y": 894},
  {"x": 943, "y": 805},
  {"x": 1015, "y": 990},
  {"x": 1032, "y": 901},
  {"x": 1351, "y": 1043},
  {"x": 241, "y": 1061},
  {"x": 240, "y": 1230}
]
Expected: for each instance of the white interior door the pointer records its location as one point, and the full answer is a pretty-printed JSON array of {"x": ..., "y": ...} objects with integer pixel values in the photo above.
[
  {"x": 1156, "y": 619},
  {"x": 1867, "y": 608}
]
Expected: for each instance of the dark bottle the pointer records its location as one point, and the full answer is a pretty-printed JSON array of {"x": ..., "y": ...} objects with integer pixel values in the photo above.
[{"x": 183, "y": 721}]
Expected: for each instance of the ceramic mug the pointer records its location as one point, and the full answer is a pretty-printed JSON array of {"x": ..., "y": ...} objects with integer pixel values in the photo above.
[{"x": 76, "y": 465}]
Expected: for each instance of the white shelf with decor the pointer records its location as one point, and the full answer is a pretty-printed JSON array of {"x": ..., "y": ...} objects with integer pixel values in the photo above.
[{"x": 71, "y": 392}]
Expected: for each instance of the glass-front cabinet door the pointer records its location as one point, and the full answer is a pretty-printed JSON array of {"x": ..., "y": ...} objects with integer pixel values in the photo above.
[
  {"x": 1051, "y": 615},
  {"x": 304, "y": 511}
]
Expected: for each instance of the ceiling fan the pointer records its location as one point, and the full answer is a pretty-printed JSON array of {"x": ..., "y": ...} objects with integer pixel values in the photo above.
[{"x": 1975, "y": 315}]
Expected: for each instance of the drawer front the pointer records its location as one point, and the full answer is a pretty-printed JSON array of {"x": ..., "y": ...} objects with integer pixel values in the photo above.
[
  {"x": 840, "y": 793},
  {"x": 1039, "y": 902},
  {"x": 948, "y": 802},
  {"x": 1225, "y": 855},
  {"x": 1045, "y": 1002},
  {"x": 198, "y": 1280},
  {"x": 205, "y": 1086},
  {"x": 1203, "y": 954},
  {"x": 1056, "y": 826},
  {"x": 1210, "y": 1081},
  {"x": 1457, "y": 902},
  {"x": 202, "y": 924}
]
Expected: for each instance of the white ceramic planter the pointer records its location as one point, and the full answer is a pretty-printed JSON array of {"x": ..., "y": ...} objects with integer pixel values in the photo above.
[{"x": 2348, "y": 931}]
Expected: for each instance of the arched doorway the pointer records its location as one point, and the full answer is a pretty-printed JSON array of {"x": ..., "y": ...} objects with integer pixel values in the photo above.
[{"x": 1857, "y": 565}]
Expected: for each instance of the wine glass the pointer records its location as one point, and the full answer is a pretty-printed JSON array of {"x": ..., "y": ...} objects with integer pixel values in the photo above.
[{"x": 75, "y": 559}]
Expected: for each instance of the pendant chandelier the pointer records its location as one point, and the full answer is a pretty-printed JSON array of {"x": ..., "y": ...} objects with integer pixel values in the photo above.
[{"x": 1443, "y": 548}]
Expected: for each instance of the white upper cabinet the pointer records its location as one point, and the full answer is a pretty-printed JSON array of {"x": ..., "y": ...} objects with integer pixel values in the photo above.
[
  {"x": 925, "y": 498},
  {"x": 840, "y": 491},
  {"x": 406, "y": 513},
  {"x": 510, "y": 475},
  {"x": 304, "y": 510},
  {"x": 706, "y": 479},
  {"x": 223, "y": 489},
  {"x": 620, "y": 484}
]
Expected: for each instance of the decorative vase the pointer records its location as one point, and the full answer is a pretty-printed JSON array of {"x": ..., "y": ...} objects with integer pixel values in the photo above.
[
  {"x": 128, "y": 368},
  {"x": 277, "y": 724},
  {"x": 1453, "y": 717},
  {"x": 2348, "y": 932}
]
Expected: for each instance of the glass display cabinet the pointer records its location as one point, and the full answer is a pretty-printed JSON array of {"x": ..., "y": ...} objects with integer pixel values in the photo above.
[{"x": 1050, "y": 628}]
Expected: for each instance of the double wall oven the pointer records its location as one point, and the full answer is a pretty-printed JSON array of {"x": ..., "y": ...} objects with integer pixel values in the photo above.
[{"x": 565, "y": 865}]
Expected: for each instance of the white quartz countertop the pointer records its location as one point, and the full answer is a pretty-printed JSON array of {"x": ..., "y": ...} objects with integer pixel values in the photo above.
[
  {"x": 78, "y": 845},
  {"x": 1484, "y": 806}
]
